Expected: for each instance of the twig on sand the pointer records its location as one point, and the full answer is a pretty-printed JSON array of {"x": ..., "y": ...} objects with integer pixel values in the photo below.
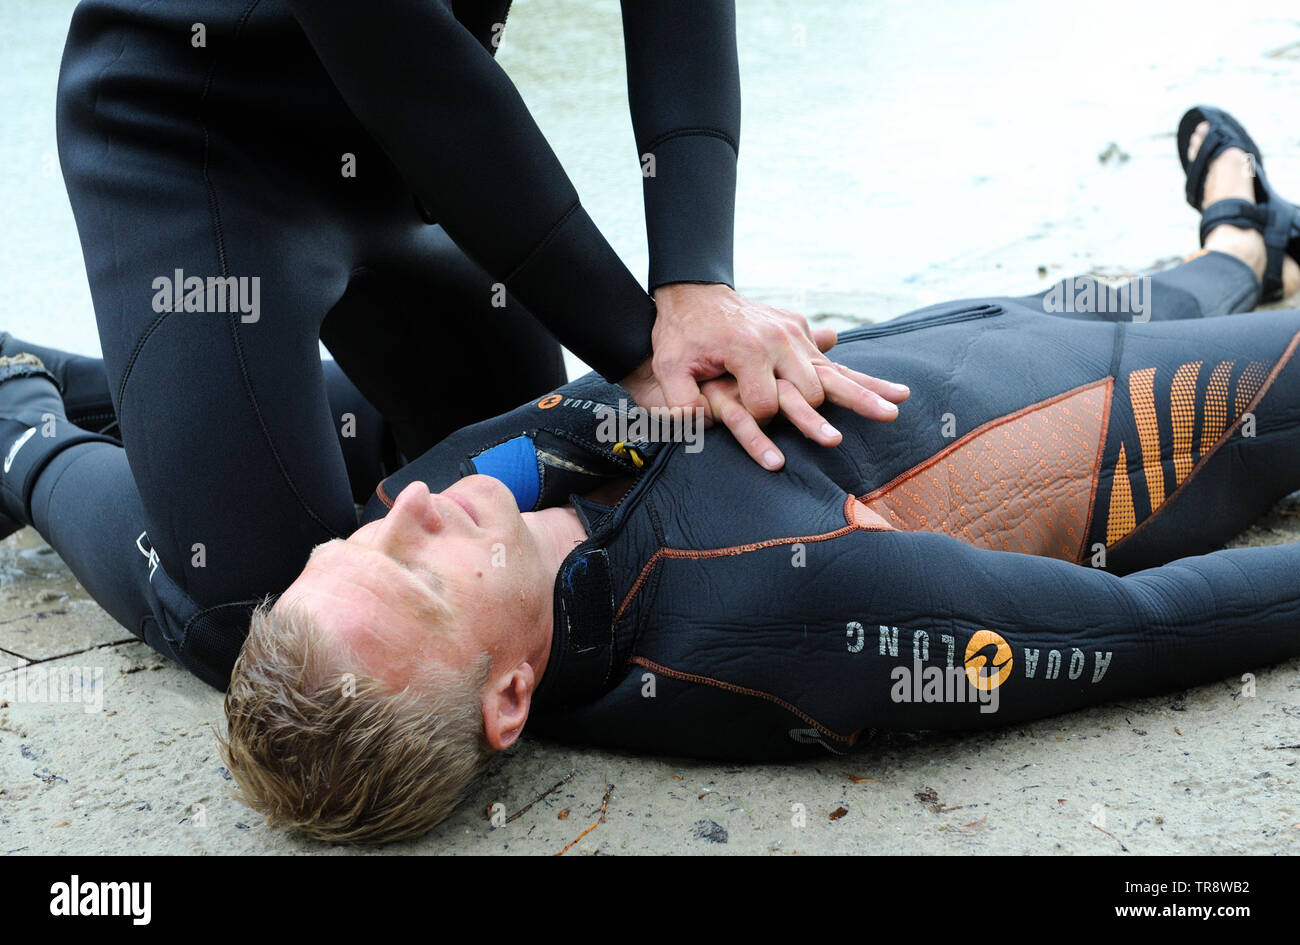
[
  {"x": 551, "y": 790},
  {"x": 604, "y": 805},
  {"x": 1113, "y": 837},
  {"x": 975, "y": 824}
]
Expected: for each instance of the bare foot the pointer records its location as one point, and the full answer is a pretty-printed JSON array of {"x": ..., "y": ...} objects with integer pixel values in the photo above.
[{"x": 1232, "y": 174}]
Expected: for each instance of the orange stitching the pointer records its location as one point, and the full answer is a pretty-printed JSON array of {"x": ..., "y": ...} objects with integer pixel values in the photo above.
[
  {"x": 636, "y": 585},
  {"x": 687, "y": 554},
  {"x": 745, "y": 691},
  {"x": 383, "y": 496}
]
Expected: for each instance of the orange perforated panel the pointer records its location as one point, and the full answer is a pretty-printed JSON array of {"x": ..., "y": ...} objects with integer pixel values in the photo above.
[
  {"x": 1216, "y": 405},
  {"x": 1121, "y": 519},
  {"x": 1142, "y": 399},
  {"x": 1020, "y": 483},
  {"x": 1183, "y": 405},
  {"x": 1248, "y": 385}
]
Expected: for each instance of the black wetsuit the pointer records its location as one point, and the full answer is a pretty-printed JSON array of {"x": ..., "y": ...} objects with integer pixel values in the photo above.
[
  {"x": 723, "y": 611},
  {"x": 252, "y": 177}
]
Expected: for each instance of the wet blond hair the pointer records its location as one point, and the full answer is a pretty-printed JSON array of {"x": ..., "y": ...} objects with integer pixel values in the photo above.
[{"x": 317, "y": 746}]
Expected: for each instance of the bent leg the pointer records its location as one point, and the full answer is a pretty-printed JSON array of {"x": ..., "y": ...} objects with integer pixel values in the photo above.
[
  {"x": 86, "y": 506},
  {"x": 230, "y": 440},
  {"x": 364, "y": 437}
]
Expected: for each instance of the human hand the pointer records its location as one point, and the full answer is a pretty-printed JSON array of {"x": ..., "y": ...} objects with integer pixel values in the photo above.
[{"x": 776, "y": 363}]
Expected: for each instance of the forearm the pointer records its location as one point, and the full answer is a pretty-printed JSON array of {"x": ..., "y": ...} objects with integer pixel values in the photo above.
[{"x": 684, "y": 93}]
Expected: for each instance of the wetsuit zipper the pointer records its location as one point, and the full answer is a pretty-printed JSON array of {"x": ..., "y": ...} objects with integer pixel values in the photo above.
[{"x": 987, "y": 310}]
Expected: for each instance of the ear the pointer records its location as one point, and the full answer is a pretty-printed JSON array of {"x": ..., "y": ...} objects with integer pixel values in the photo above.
[{"x": 505, "y": 705}]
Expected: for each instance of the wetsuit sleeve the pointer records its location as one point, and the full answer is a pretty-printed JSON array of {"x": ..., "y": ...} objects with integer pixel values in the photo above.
[
  {"x": 452, "y": 122},
  {"x": 683, "y": 85},
  {"x": 1049, "y": 636}
]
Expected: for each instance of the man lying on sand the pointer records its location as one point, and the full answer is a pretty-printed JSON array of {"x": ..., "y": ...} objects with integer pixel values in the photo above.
[{"x": 1016, "y": 545}]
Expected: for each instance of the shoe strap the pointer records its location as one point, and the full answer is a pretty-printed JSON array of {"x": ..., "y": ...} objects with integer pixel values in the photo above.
[
  {"x": 1235, "y": 211},
  {"x": 1281, "y": 217},
  {"x": 1216, "y": 140}
]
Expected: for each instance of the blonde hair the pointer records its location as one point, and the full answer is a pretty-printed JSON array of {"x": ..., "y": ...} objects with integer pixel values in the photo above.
[{"x": 335, "y": 753}]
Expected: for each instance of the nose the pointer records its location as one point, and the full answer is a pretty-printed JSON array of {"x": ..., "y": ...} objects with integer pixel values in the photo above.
[{"x": 412, "y": 512}]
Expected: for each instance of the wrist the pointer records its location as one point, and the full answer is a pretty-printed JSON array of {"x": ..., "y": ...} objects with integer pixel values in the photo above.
[{"x": 678, "y": 290}]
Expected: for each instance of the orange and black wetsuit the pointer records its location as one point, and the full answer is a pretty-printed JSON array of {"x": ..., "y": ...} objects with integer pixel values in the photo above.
[{"x": 1042, "y": 517}]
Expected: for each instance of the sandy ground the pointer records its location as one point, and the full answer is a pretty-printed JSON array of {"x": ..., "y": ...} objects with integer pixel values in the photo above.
[{"x": 1209, "y": 770}]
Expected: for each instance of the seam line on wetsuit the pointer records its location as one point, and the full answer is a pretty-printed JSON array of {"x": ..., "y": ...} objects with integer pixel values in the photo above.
[
  {"x": 545, "y": 240},
  {"x": 687, "y": 132},
  {"x": 732, "y": 551},
  {"x": 975, "y": 434},
  {"x": 81, "y": 419},
  {"x": 1096, "y": 469},
  {"x": 1117, "y": 350},
  {"x": 94, "y": 112},
  {"x": 213, "y": 213},
  {"x": 135, "y": 355},
  {"x": 219, "y": 237},
  {"x": 741, "y": 690}
]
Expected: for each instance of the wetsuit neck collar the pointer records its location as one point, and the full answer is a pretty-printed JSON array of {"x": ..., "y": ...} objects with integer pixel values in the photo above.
[
  {"x": 592, "y": 514},
  {"x": 582, "y": 635},
  {"x": 583, "y": 643}
]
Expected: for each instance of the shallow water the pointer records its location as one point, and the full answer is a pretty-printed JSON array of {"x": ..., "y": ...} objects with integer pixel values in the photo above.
[{"x": 892, "y": 154}]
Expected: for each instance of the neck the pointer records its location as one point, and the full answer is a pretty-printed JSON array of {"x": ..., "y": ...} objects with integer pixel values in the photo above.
[{"x": 557, "y": 531}]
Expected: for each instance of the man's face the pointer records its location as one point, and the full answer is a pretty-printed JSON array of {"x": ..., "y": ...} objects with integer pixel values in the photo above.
[{"x": 443, "y": 577}]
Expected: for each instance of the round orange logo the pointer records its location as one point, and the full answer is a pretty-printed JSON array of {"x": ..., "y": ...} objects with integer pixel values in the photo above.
[
  {"x": 976, "y": 662},
  {"x": 546, "y": 403}
]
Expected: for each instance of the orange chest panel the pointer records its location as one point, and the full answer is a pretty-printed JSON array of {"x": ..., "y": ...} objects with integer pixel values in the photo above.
[{"x": 1024, "y": 482}]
